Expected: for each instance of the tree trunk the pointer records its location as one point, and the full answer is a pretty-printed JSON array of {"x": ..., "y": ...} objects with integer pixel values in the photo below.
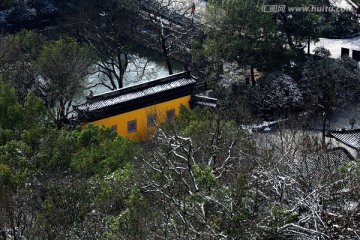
[
  {"x": 122, "y": 69},
  {"x": 287, "y": 31},
  {"x": 323, "y": 130},
  {"x": 168, "y": 64},
  {"x": 247, "y": 79},
  {"x": 252, "y": 76},
  {"x": 61, "y": 115},
  {"x": 166, "y": 55}
]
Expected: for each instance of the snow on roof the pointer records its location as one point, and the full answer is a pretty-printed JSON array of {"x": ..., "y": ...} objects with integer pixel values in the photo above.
[
  {"x": 339, "y": 156},
  {"x": 206, "y": 101},
  {"x": 124, "y": 97},
  {"x": 350, "y": 138},
  {"x": 329, "y": 160},
  {"x": 344, "y": 4},
  {"x": 206, "y": 104}
]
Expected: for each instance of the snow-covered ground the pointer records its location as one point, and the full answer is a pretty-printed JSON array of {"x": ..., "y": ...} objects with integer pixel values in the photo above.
[{"x": 335, "y": 45}]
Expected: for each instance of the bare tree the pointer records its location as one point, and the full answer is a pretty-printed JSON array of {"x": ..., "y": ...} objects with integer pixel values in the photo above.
[
  {"x": 111, "y": 32},
  {"x": 190, "y": 177},
  {"x": 306, "y": 191},
  {"x": 210, "y": 180},
  {"x": 170, "y": 29},
  {"x": 64, "y": 66}
]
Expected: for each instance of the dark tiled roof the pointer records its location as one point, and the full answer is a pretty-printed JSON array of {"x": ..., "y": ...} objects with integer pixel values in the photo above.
[
  {"x": 338, "y": 156},
  {"x": 350, "y": 138},
  {"x": 199, "y": 100},
  {"x": 135, "y": 97},
  {"x": 103, "y": 103},
  {"x": 329, "y": 160}
]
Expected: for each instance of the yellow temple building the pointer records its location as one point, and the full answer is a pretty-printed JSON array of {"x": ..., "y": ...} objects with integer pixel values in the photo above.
[{"x": 135, "y": 111}]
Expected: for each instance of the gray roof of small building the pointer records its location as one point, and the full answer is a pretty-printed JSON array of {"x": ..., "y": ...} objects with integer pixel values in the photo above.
[
  {"x": 329, "y": 160},
  {"x": 205, "y": 101},
  {"x": 338, "y": 156},
  {"x": 350, "y": 138}
]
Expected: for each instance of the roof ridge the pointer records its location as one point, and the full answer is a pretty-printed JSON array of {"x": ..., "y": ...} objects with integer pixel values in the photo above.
[
  {"x": 152, "y": 89},
  {"x": 346, "y": 131},
  {"x": 141, "y": 86}
]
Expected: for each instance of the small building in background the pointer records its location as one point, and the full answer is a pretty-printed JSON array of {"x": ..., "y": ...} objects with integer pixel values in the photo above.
[{"x": 349, "y": 139}]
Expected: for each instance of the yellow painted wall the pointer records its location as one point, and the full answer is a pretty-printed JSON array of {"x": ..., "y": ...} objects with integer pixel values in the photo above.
[{"x": 121, "y": 120}]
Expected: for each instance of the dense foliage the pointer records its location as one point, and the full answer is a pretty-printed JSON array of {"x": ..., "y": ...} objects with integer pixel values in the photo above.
[
  {"x": 276, "y": 92},
  {"x": 202, "y": 175},
  {"x": 330, "y": 83},
  {"x": 56, "y": 71},
  {"x": 198, "y": 177}
]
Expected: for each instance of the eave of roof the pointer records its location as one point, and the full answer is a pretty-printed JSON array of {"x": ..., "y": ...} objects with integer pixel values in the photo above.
[
  {"x": 329, "y": 160},
  {"x": 139, "y": 87},
  {"x": 136, "y": 97},
  {"x": 350, "y": 138},
  {"x": 200, "y": 100}
]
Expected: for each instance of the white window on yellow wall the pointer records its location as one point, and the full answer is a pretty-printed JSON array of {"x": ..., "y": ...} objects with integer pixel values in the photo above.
[
  {"x": 170, "y": 115},
  {"x": 151, "y": 120},
  {"x": 131, "y": 126}
]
